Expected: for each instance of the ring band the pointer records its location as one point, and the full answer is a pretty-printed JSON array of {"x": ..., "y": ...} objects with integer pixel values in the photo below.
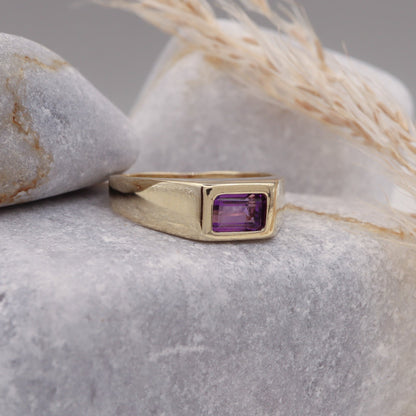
[{"x": 210, "y": 206}]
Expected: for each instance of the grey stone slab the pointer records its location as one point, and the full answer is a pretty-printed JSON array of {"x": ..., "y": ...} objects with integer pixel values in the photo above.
[
  {"x": 100, "y": 316},
  {"x": 57, "y": 132}
]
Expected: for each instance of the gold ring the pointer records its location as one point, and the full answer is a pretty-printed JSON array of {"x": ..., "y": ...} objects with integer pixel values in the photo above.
[{"x": 209, "y": 206}]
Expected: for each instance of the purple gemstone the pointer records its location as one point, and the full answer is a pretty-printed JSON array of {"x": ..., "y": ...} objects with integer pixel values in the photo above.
[{"x": 239, "y": 212}]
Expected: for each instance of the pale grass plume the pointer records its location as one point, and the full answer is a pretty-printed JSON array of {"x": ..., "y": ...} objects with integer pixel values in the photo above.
[{"x": 293, "y": 70}]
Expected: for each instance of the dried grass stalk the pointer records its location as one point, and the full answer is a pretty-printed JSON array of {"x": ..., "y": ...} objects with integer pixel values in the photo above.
[{"x": 295, "y": 71}]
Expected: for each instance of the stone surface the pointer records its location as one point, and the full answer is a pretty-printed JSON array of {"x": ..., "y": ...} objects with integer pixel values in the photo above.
[
  {"x": 57, "y": 132},
  {"x": 189, "y": 107},
  {"x": 102, "y": 317}
]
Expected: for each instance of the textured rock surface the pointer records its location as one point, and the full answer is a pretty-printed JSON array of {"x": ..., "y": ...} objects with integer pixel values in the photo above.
[
  {"x": 102, "y": 317},
  {"x": 57, "y": 132},
  {"x": 191, "y": 108}
]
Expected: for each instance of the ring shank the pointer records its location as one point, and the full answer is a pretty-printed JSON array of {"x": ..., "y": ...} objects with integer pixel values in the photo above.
[{"x": 197, "y": 175}]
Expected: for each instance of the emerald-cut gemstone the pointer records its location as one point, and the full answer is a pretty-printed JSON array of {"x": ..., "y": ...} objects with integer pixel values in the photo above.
[{"x": 239, "y": 213}]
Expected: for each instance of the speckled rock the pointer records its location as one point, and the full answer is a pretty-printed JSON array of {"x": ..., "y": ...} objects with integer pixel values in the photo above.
[
  {"x": 57, "y": 132},
  {"x": 190, "y": 107},
  {"x": 102, "y": 317}
]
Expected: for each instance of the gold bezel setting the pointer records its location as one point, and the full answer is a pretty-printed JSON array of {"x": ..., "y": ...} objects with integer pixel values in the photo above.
[{"x": 210, "y": 193}]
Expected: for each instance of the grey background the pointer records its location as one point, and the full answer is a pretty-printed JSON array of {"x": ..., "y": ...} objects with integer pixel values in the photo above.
[{"x": 116, "y": 50}]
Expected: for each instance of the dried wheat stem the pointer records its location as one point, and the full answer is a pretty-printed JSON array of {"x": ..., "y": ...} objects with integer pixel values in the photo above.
[{"x": 295, "y": 71}]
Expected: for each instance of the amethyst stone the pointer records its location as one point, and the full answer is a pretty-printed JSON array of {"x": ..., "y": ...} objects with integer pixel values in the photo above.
[{"x": 239, "y": 213}]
